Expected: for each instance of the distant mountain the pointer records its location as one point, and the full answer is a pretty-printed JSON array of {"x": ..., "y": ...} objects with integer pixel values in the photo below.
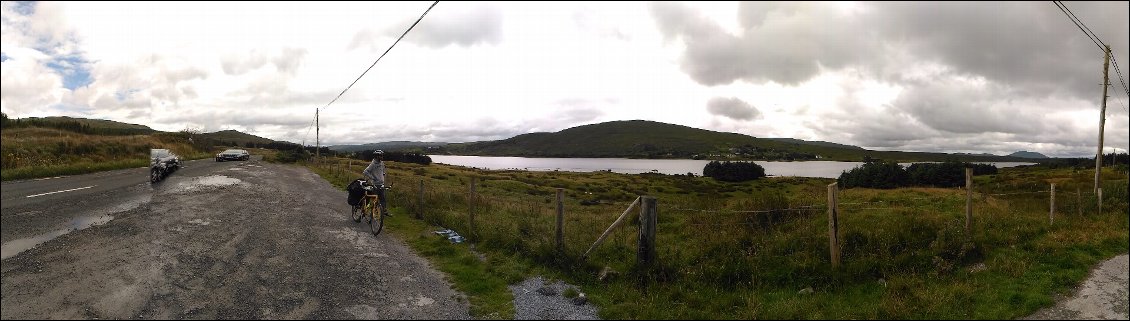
[
  {"x": 632, "y": 138},
  {"x": 387, "y": 146},
  {"x": 238, "y": 138},
  {"x": 816, "y": 143},
  {"x": 1027, "y": 154}
]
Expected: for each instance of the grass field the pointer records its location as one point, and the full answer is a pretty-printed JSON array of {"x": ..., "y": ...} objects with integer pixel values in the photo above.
[{"x": 759, "y": 249}]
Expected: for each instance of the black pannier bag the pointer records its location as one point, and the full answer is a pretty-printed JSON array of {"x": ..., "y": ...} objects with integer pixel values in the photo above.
[{"x": 356, "y": 192}]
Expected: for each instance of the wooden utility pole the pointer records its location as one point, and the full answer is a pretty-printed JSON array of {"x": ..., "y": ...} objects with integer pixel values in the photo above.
[{"x": 1102, "y": 121}]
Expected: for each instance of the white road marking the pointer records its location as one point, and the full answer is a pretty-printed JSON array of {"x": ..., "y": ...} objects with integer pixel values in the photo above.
[
  {"x": 43, "y": 179},
  {"x": 68, "y": 190}
]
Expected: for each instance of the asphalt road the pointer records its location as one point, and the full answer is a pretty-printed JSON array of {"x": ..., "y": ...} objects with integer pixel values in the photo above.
[{"x": 232, "y": 240}]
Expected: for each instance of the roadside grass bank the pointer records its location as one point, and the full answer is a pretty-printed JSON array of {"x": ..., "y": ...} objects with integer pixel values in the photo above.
[
  {"x": 45, "y": 152},
  {"x": 759, "y": 249}
]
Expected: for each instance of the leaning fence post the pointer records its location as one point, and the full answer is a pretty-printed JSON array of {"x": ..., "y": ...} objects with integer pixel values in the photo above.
[
  {"x": 420, "y": 202},
  {"x": 833, "y": 226},
  {"x": 645, "y": 252},
  {"x": 969, "y": 203},
  {"x": 560, "y": 220},
  {"x": 1051, "y": 207},
  {"x": 610, "y": 228}
]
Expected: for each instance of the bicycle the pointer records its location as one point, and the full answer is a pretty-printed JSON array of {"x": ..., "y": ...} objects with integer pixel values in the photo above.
[{"x": 370, "y": 207}]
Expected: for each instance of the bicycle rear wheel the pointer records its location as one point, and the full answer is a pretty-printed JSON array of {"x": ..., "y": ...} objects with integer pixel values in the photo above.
[
  {"x": 356, "y": 212},
  {"x": 376, "y": 220}
]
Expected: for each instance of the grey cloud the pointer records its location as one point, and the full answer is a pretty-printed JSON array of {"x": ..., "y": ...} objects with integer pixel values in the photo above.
[
  {"x": 966, "y": 72},
  {"x": 209, "y": 119},
  {"x": 289, "y": 60},
  {"x": 242, "y": 63},
  {"x": 456, "y": 24},
  {"x": 782, "y": 42},
  {"x": 286, "y": 61},
  {"x": 1031, "y": 46},
  {"x": 732, "y": 108},
  {"x": 575, "y": 111}
]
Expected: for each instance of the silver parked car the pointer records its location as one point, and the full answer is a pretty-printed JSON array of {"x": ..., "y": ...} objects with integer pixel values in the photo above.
[{"x": 233, "y": 154}]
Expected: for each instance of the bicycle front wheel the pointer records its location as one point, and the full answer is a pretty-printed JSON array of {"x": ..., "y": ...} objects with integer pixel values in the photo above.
[{"x": 376, "y": 220}]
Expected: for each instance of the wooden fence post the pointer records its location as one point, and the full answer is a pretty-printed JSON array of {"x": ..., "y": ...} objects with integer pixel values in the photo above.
[
  {"x": 645, "y": 252},
  {"x": 420, "y": 202},
  {"x": 1079, "y": 200},
  {"x": 1051, "y": 208},
  {"x": 471, "y": 205},
  {"x": 969, "y": 203},
  {"x": 833, "y": 226},
  {"x": 560, "y": 220}
]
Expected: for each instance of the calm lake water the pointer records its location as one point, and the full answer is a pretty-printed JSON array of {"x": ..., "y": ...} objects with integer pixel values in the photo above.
[{"x": 826, "y": 169}]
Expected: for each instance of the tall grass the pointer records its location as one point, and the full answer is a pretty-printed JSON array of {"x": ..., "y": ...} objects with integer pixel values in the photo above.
[
  {"x": 746, "y": 250},
  {"x": 43, "y": 152}
]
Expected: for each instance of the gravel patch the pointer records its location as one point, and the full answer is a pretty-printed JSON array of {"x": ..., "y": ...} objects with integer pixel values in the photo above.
[{"x": 537, "y": 299}]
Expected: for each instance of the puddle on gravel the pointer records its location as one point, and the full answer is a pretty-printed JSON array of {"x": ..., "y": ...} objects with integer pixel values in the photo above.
[
  {"x": 18, "y": 246},
  {"x": 206, "y": 181}
]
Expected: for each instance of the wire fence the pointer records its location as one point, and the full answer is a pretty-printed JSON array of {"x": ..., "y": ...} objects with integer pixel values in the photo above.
[{"x": 523, "y": 217}]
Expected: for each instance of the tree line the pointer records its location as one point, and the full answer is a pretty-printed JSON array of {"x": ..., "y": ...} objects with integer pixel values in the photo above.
[
  {"x": 733, "y": 171},
  {"x": 876, "y": 173}
]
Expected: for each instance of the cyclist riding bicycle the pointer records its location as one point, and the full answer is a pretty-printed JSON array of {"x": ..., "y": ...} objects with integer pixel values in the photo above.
[{"x": 375, "y": 172}]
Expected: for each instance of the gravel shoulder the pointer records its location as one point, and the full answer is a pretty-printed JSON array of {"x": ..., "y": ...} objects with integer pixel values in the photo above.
[
  {"x": 1102, "y": 296},
  {"x": 538, "y": 299},
  {"x": 248, "y": 240}
]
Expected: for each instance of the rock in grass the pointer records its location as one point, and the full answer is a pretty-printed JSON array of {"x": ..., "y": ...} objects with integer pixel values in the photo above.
[{"x": 547, "y": 291}]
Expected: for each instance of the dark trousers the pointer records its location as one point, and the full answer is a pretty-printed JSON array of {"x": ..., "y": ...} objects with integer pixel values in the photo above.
[{"x": 384, "y": 203}]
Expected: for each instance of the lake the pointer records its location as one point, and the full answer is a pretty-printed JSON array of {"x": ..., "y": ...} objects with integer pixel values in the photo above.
[{"x": 826, "y": 169}]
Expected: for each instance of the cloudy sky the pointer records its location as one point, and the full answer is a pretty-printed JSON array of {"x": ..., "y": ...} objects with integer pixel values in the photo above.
[{"x": 916, "y": 76}]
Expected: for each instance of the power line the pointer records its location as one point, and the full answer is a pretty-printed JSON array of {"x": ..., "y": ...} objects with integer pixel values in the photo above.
[
  {"x": 374, "y": 63},
  {"x": 1118, "y": 71},
  {"x": 383, "y": 54},
  {"x": 1079, "y": 24}
]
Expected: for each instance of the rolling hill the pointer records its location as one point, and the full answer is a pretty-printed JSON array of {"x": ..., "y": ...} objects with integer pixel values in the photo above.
[
  {"x": 1027, "y": 154},
  {"x": 649, "y": 139},
  {"x": 237, "y": 138}
]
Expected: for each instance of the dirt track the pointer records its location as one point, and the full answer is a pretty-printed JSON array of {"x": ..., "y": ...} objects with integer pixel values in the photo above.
[
  {"x": 245, "y": 240},
  {"x": 1102, "y": 296}
]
